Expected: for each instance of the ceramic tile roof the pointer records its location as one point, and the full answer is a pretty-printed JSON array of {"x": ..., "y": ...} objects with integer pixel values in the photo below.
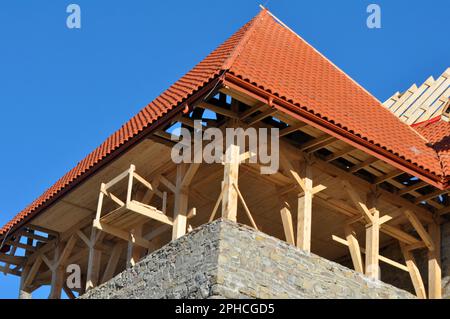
[
  {"x": 437, "y": 133},
  {"x": 271, "y": 57}
]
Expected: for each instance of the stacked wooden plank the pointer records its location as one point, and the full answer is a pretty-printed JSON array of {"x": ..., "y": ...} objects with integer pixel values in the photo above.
[{"x": 421, "y": 103}]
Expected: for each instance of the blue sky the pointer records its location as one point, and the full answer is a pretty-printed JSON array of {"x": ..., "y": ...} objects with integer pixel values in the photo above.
[{"x": 62, "y": 92}]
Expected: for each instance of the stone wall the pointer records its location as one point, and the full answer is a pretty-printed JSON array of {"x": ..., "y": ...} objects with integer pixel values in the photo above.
[
  {"x": 445, "y": 257},
  {"x": 226, "y": 260}
]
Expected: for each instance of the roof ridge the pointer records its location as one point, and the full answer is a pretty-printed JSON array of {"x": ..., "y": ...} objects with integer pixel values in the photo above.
[{"x": 244, "y": 40}]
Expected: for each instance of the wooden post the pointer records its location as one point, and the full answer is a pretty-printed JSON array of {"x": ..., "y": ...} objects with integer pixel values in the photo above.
[
  {"x": 434, "y": 263},
  {"x": 181, "y": 205},
  {"x": 94, "y": 260},
  {"x": 230, "y": 178},
  {"x": 286, "y": 218},
  {"x": 57, "y": 275},
  {"x": 113, "y": 262},
  {"x": 304, "y": 215},
  {"x": 414, "y": 272},
  {"x": 24, "y": 292},
  {"x": 354, "y": 248},
  {"x": 373, "y": 241},
  {"x": 134, "y": 252}
]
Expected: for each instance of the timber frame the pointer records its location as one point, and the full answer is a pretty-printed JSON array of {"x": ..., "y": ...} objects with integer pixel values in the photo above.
[{"x": 374, "y": 201}]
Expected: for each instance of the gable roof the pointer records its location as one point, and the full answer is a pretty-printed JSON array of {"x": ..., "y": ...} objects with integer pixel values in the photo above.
[{"x": 269, "y": 56}]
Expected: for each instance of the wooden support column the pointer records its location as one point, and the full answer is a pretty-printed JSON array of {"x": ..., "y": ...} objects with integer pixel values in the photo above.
[
  {"x": 135, "y": 252},
  {"x": 434, "y": 263},
  {"x": 414, "y": 272},
  {"x": 373, "y": 241},
  {"x": 24, "y": 291},
  {"x": 113, "y": 262},
  {"x": 288, "y": 227},
  {"x": 94, "y": 260},
  {"x": 230, "y": 178},
  {"x": 57, "y": 275},
  {"x": 181, "y": 205},
  {"x": 304, "y": 214},
  {"x": 354, "y": 248}
]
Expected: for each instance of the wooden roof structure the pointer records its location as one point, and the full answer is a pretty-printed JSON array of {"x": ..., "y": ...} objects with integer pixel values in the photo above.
[{"x": 345, "y": 177}]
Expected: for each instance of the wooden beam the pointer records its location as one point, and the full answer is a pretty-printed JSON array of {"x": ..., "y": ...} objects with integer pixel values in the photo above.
[
  {"x": 113, "y": 262},
  {"x": 382, "y": 258},
  {"x": 291, "y": 129},
  {"x": 304, "y": 214},
  {"x": 57, "y": 282},
  {"x": 15, "y": 260},
  {"x": 363, "y": 164},
  {"x": 134, "y": 252},
  {"x": 252, "y": 110},
  {"x": 231, "y": 177},
  {"x": 420, "y": 229},
  {"x": 356, "y": 199},
  {"x": 94, "y": 260},
  {"x": 373, "y": 240},
  {"x": 315, "y": 142},
  {"x": 412, "y": 188},
  {"x": 388, "y": 176},
  {"x": 288, "y": 227},
  {"x": 122, "y": 234},
  {"x": 218, "y": 110},
  {"x": 414, "y": 272},
  {"x": 434, "y": 263},
  {"x": 399, "y": 234},
  {"x": 355, "y": 252},
  {"x": 244, "y": 204}
]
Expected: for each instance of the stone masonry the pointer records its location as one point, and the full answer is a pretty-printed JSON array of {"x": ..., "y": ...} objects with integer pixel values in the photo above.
[{"x": 226, "y": 260}]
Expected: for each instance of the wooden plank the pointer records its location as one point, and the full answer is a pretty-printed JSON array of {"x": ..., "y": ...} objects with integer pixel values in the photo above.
[
  {"x": 231, "y": 173},
  {"x": 339, "y": 154},
  {"x": 57, "y": 282},
  {"x": 363, "y": 164},
  {"x": 288, "y": 227},
  {"x": 434, "y": 263},
  {"x": 190, "y": 174},
  {"x": 420, "y": 229},
  {"x": 261, "y": 116},
  {"x": 355, "y": 252},
  {"x": 304, "y": 214},
  {"x": 149, "y": 212},
  {"x": 429, "y": 196},
  {"x": 414, "y": 272},
  {"x": 252, "y": 110},
  {"x": 412, "y": 188},
  {"x": 118, "y": 178},
  {"x": 388, "y": 176}
]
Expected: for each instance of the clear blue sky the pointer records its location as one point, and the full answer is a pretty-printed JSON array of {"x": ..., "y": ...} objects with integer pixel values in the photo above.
[{"x": 62, "y": 92}]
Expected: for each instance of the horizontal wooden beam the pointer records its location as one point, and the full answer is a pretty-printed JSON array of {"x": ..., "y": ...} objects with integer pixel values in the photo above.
[
  {"x": 122, "y": 234},
  {"x": 218, "y": 110}
]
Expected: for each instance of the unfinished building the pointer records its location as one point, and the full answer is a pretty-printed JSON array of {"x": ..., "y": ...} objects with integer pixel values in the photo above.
[{"x": 353, "y": 177}]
